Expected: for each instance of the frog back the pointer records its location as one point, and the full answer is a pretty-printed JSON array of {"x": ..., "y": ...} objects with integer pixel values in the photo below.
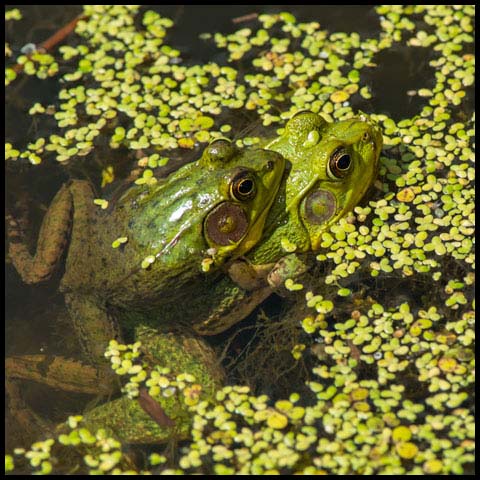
[
  {"x": 152, "y": 243},
  {"x": 161, "y": 242}
]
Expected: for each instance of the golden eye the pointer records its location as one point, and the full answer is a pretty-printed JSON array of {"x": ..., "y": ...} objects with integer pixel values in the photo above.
[
  {"x": 340, "y": 163},
  {"x": 243, "y": 187}
]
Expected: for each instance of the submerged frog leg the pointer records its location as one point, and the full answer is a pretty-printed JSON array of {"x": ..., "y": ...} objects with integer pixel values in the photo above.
[
  {"x": 28, "y": 423},
  {"x": 52, "y": 239},
  {"x": 93, "y": 325},
  {"x": 61, "y": 373},
  {"x": 181, "y": 351},
  {"x": 57, "y": 372}
]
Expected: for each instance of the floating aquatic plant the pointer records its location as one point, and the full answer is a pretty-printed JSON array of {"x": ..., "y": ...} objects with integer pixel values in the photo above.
[{"x": 390, "y": 390}]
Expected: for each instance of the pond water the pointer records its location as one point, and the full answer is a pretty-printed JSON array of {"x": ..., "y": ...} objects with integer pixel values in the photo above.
[{"x": 36, "y": 320}]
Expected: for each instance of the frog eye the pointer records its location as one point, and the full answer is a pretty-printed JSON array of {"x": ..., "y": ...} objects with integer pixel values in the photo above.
[
  {"x": 339, "y": 163},
  {"x": 366, "y": 137},
  {"x": 220, "y": 150},
  {"x": 243, "y": 187},
  {"x": 226, "y": 224}
]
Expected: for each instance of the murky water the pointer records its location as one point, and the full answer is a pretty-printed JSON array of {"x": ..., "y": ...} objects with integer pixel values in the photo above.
[{"x": 35, "y": 316}]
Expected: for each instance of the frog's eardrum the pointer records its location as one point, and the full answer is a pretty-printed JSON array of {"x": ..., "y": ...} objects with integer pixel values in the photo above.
[
  {"x": 319, "y": 206},
  {"x": 226, "y": 224}
]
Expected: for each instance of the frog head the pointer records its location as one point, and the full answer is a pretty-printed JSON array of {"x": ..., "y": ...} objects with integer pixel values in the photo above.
[
  {"x": 247, "y": 182},
  {"x": 333, "y": 165},
  {"x": 214, "y": 207}
]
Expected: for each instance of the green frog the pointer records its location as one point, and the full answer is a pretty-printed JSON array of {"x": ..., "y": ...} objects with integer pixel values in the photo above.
[
  {"x": 329, "y": 168},
  {"x": 146, "y": 251},
  {"x": 213, "y": 209}
]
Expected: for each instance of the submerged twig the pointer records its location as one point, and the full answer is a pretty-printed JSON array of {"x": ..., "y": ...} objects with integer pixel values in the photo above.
[
  {"x": 54, "y": 40},
  {"x": 245, "y": 18},
  {"x": 154, "y": 409}
]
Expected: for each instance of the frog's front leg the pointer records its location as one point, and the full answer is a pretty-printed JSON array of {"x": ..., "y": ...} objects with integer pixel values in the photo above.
[
  {"x": 247, "y": 285},
  {"x": 93, "y": 325},
  {"x": 52, "y": 239}
]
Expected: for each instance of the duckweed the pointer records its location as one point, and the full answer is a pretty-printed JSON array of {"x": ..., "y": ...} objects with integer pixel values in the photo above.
[
  {"x": 119, "y": 241},
  {"x": 392, "y": 388},
  {"x": 292, "y": 286}
]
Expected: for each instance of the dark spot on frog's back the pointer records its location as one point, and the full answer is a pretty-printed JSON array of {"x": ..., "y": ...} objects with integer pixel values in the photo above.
[
  {"x": 154, "y": 204},
  {"x": 151, "y": 224}
]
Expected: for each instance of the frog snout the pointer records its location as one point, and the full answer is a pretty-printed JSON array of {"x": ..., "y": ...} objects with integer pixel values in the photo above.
[
  {"x": 377, "y": 138},
  {"x": 275, "y": 160}
]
